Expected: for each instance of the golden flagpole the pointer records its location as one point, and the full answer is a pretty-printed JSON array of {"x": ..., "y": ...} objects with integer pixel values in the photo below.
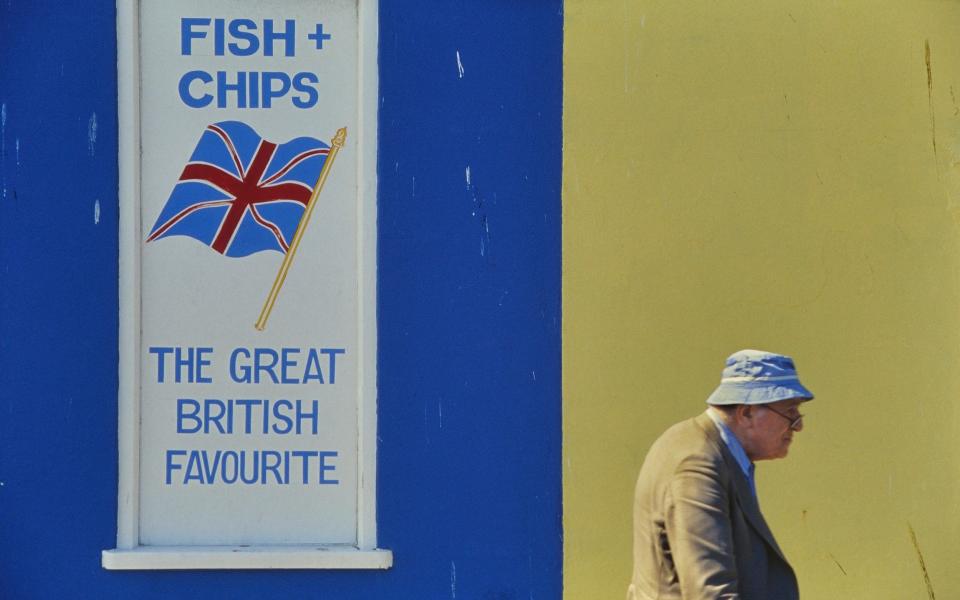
[{"x": 335, "y": 146}]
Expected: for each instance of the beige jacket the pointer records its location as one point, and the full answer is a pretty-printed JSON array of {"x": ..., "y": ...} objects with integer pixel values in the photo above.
[{"x": 697, "y": 531}]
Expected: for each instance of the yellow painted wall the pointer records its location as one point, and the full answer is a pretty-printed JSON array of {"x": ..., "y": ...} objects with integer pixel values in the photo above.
[{"x": 763, "y": 174}]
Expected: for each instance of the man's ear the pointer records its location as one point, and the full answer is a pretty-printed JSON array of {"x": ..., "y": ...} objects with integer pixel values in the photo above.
[{"x": 745, "y": 412}]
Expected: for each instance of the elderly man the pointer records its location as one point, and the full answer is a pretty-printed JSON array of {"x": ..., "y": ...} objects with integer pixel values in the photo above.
[{"x": 698, "y": 532}]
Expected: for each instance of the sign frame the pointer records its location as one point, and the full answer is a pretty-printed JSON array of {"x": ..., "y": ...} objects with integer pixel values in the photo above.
[{"x": 129, "y": 552}]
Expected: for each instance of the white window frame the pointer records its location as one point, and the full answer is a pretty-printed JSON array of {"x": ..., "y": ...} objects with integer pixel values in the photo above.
[{"x": 129, "y": 553}]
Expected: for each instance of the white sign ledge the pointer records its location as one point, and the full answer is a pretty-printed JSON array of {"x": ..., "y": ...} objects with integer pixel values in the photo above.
[{"x": 245, "y": 557}]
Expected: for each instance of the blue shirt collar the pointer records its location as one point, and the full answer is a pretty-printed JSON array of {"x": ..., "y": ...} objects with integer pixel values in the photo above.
[{"x": 736, "y": 449}]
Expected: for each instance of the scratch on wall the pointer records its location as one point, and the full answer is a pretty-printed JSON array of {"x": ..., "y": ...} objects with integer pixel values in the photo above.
[
  {"x": 92, "y": 133},
  {"x": 426, "y": 423},
  {"x": 933, "y": 119},
  {"x": 923, "y": 566},
  {"x": 453, "y": 579},
  {"x": 459, "y": 66},
  {"x": 479, "y": 212},
  {"x": 96, "y": 212},
  {"x": 837, "y": 562},
  {"x": 3, "y": 147}
]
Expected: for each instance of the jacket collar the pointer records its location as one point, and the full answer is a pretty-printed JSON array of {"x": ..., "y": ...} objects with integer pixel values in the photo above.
[{"x": 746, "y": 499}]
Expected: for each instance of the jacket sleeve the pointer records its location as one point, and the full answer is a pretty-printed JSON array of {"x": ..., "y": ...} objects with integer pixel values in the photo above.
[{"x": 699, "y": 532}]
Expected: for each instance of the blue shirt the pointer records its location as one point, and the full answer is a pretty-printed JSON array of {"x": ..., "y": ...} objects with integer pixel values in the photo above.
[{"x": 739, "y": 454}]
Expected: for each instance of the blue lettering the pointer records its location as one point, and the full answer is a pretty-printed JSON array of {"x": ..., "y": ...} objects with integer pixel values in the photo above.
[
  {"x": 239, "y": 29},
  {"x": 269, "y": 93},
  {"x": 161, "y": 352},
  {"x": 287, "y": 362},
  {"x": 193, "y": 470},
  {"x": 182, "y": 415},
  {"x": 211, "y": 470},
  {"x": 187, "y": 97},
  {"x": 254, "y": 467},
  {"x": 313, "y": 416},
  {"x": 179, "y": 362},
  {"x": 288, "y": 36},
  {"x": 171, "y": 466},
  {"x": 229, "y": 479},
  {"x": 201, "y": 363},
  {"x": 287, "y": 421},
  {"x": 324, "y": 467},
  {"x": 248, "y": 413},
  {"x": 272, "y": 465},
  {"x": 258, "y": 354},
  {"x": 305, "y": 456},
  {"x": 244, "y": 370},
  {"x": 240, "y": 87},
  {"x": 209, "y": 417},
  {"x": 312, "y": 368},
  {"x": 301, "y": 83},
  {"x": 254, "y": 90},
  {"x": 332, "y": 353},
  {"x": 187, "y": 34},
  {"x": 218, "y": 37}
]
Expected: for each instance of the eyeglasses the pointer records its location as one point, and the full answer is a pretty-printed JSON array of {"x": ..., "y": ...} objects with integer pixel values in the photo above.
[{"x": 795, "y": 423}]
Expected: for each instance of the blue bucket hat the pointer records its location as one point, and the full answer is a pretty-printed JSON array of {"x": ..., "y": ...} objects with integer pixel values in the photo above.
[{"x": 758, "y": 377}]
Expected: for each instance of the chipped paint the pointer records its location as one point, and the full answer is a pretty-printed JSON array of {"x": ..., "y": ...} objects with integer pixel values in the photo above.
[
  {"x": 92, "y": 133},
  {"x": 16, "y": 148},
  {"x": 459, "y": 66},
  {"x": 468, "y": 176},
  {"x": 96, "y": 212}
]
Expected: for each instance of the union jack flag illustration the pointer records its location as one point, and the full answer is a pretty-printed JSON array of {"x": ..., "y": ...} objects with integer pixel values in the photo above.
[{"x": 241, "y": 194}]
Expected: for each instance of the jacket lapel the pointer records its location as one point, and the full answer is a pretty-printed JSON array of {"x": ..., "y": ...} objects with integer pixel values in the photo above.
[{"x": 745, "y": 498}]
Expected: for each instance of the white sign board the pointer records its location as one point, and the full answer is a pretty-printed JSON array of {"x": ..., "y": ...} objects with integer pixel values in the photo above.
[{"x": 249, "y": 232}]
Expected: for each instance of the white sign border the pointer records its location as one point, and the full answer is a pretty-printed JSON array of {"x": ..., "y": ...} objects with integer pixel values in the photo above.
[{"x": 129, "y": 554}]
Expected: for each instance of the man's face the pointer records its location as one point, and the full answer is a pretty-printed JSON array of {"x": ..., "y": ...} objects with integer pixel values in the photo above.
[{"x": 769, "y": 434}]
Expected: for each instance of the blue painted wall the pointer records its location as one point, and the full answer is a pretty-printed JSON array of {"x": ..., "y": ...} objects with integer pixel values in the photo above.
[{"x": 469, "y": 309}]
